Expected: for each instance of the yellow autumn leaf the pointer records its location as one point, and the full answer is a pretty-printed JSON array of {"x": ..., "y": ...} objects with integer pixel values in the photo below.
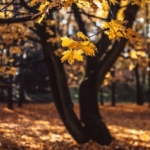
[
  {"x": 108, "y": 75},
  {"x": 116, "y": 30},
  {"x": 82, "y": 36},
  {"x": 131, "y": 67},
  {"x": 142, "y": 54},
  {"x": 133, "y": 36},
  {"x": 88, "y": 50},
  {"x": 133, "y": 54},
  {"x": 105, "y": 82},
  {"x": 77, "y": 47},
  {"x": 139, "y": 2},
  {"x": 41, "y": 18},
  {"x": 114, "y": 2},
  {"x": 66, "y": 41},
  {"x": 71, "y": 56}
]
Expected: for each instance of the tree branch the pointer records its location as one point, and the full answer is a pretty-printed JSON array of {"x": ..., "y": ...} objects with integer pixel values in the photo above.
[
  {"x": 16, "y": 20},
  {"x": 7, "y": 5},
  {"x": 30, "y": 63}
]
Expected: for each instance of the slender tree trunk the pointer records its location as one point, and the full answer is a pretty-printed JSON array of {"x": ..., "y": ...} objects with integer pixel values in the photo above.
[
  {"x": 10, "y": 95},
  {"x": 113, "y": 87},
  {"x": 148, "y": 46},
  {"x": 113, "y": 99},
  {"x": 149, "y": 81},
  {"x": 101, "y": 97},
  {"x": 149, "y": 74},
  {"x": 1, "y": 89},
  {"x": 138, "y": 86},
  {"x": 21, "y": 88},
  {"x": 143, "y": 77}
]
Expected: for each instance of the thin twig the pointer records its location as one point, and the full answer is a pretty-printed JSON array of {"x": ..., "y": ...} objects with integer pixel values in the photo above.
[
  {"x": 111, "y": 10},
  {"x": 90, "y": 15},
  {"x": 23, "y": 13},
  {"x": 7, "y": 5},
  {"x": 99, "y": 32}
]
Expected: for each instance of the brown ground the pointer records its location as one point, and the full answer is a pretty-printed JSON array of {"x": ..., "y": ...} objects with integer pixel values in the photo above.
[{"x": 38, "y": 127}]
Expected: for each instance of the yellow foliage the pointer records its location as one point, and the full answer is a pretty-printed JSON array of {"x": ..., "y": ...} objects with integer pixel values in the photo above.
[
  {"x": 142, "y": 54},
  {"x": 108, "y": 75},
  {"x": 139, "y": 2},
  {"x": 11, "y": 71},
  {"x": 82, "y": 36},
  {"x": 77, "y": 47},
  {"x": 72, "y": 55},
  {"x": 15, "y": 50},
  {"x": 114, "y": 2},
  {"x": 117, "y": 30},
  {"x": 4, "y": 70},
  {"x": 45, "y": 5},
  {"x": 133, "y": 54},
  {"x": 131, "y": 66}
]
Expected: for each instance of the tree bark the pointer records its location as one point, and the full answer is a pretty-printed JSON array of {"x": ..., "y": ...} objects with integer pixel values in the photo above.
[
  {"x": 21, "y": 99},
  {"x": 139, "y": 99},
  {"x": 59, "y": 88},
  {"x": 90, "y": 116},
  {"x": 113, "y": 87},
  {"x": 10, "y": 94},
  {"x": 1, "y": 89},
  {"x": 21, "y": 86},
  {"x": 101, "y": 97},
  {"x": 89, "y": 87}
]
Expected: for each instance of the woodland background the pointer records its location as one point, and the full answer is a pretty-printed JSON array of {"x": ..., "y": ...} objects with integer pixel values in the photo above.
[{"x": 45, "y": 101}]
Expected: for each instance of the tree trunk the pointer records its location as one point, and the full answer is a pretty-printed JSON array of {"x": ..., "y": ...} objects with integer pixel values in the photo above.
[
  {"x": 149, "y": 81},
  {"x": 10, "y": 96},
  {"x": 21, "y": 88},
  {"x": 1, "y": 89},
  {"x": 139, "y": 99},
  {"x": 113, "y": 87},
  {"x": 21, "y": 91},
  {"x": 90, "y": 116},
  {"x": 101, "y": 97},
  {"x": 60, "y": 91},
  {"x": 148, "y": 47},
  {"x": 89, "y": 88}
]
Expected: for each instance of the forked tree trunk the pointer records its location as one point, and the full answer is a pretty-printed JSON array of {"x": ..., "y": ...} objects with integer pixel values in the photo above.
[
  {"x": 60, "y": 91},
  {"x": 89, "y": 110}
]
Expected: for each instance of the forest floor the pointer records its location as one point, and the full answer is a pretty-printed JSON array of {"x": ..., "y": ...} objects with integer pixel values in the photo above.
[{"x": 38, "y": 127}]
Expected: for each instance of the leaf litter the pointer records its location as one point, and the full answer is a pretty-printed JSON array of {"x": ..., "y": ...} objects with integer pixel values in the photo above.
[{"x": 38, "y": 127}]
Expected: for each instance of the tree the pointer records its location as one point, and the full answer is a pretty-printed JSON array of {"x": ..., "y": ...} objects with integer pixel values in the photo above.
[{"x": 91, "y": 125}]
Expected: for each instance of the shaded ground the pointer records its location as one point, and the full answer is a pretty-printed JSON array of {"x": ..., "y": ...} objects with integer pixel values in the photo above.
[{"x": 38, "y": 127}]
